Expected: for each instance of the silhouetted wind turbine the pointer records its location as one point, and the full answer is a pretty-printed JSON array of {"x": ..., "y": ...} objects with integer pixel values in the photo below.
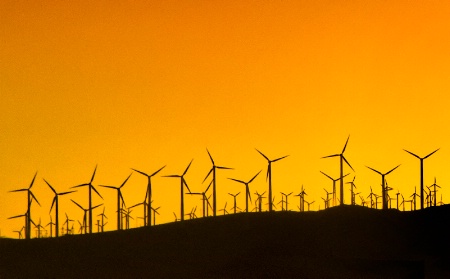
[
  {"x": 269, "y": 175},
  {"x": 20, "y": 232},
  {"x": 182, "y": 184},
  {"x": 91, "y": 187},
  {"x": 383, "y": 187},
  {"x": 234, "y": 196},
  {"x": 148, "y": 221},
  {"x": 421, "y": 173},
  {"x": 103, "y": 220},
  {"x": 56, "y": 204},
  {"x": 414, "y": 196},
  {"x": 119, "y": 197},
  {"x": 30, "y": 197},
  {"x": 213, "y": 171},
  {"x": 247, "y": 190},
  {"x": 155, "y": 211},
  {"x": 225, "y": 211},
  {"x": 67, "y": 223},
  {"x": 51, "y": 226},
  {"x": 435, "y": 191},
  {"x": 85, "y": 213},
  {"x": 259, "y": 199},
  {"x": 352, "y": 185},
  {"x": 286, "y": 197},
  {"x": 342, "y": 159},
  {"x": 334, "y": 185},
  {"x": 26, "y": 220}
]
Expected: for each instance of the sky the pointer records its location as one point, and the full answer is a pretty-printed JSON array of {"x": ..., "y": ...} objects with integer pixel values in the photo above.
[{"x": 146, "y": 84}]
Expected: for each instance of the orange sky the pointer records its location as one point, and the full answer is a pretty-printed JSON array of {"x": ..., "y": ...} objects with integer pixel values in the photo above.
[{"x": 144, "y": 84}]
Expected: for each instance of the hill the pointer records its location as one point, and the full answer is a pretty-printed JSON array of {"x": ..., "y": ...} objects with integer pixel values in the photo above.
[{"x": 340, "y": 242}]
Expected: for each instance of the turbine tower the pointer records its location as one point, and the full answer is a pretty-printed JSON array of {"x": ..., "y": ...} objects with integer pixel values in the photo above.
[
  {"x": 383, "y": 185},
  {"x": 119, "y": 197},
  {"x": 91, "y": 187},
  {"x": 421, "y": 173},
  {"x": 55, "y": 202},
  {"x": 342, "y": 159},
  {"x": 269, "y": 175},
  {"x": 247, "y": 189},
  {"x": 182, "y": 183},
  {"x": 149, "y": 194},
  {"x": 213, "y": 171}
]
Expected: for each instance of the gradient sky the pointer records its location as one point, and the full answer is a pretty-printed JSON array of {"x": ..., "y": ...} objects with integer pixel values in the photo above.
[{"x": 142, "y": 84}]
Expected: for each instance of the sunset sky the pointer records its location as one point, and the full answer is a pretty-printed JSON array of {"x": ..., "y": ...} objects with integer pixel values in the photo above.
[{"x": 143, "y": 84}]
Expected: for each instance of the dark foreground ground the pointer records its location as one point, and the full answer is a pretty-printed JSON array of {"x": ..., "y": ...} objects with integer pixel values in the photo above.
[{"x": 344, "y": 242}]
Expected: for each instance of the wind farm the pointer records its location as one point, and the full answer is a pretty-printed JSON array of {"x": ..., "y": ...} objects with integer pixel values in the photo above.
[{"x": 268, "y": 99}]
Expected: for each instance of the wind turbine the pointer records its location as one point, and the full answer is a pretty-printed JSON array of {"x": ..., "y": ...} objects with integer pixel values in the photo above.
[
  {"x": 434, "y": 191},
  {"x": 421, "y": 173},
  {"x": 213, "y": 171},
  {"x": 383, "y": 185},
  {"x": 234, "y": 196},
  {"x": 286, "y": 196},
  {"x": 352, "y": 185},
  {"x": 247, "y": 189},
  {"x": 182, "y": 183},
  {"x": 147, "y": 221},
  {"x": 85, "y": 213},
  {"x": 30, "y": 197},
  {"x": 26, "y": 220},
  {"x": 269, "y": 175},
  {"x": 103, "y": 218},
  {"x": 20, "y": 232},
  {"x": 414, "y": 196},
  {"x": 51, "y": 226},
  {"x": 259, "y": 199},
  {"x": 155, "y": 211},
  {"x": 225, "y": 211},
  {"x": 91, "y": 187},
  {"x": 342, "y": 159},
  {"x": 55, "y": 203},
  {"x": 67, "y": 224},
  {"x": 119, "y": 197},
  {"x": 334, "y": 185}
]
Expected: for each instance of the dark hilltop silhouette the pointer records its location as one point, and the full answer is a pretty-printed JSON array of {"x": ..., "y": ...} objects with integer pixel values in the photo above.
[{"x": 339, "y": 242}]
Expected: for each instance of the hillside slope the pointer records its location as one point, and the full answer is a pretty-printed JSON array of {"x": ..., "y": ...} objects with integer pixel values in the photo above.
[{"x": 341, "y": 242}]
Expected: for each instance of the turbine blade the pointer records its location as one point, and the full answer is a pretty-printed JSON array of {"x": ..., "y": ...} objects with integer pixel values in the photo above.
[
  {"x": 254, "y": 177},
  {"x": 345, "y": 146},
  {"x": 172, "y": 175},
  {"x": 93, "y": 175},
  {"x": 412, "y": 154},
  {"x": 111, "y": 187},
  {"x": 97, "y": 206},
  {"x": 375, "y": 170},
  {"x": 77, "y": 204},
  {"x": 34, "y": 197},
  {"x": 143, "y": 173},
  {"x": 19, "y": 190},
  {"x": 392, "y": 170},
  {"x": 208, "y": 174},
  {"x": 32, "y": 181},
  {"x": 53, "y": 203},
  {"x": 65, "y": 193},
  {"x": 224, "y": 168},
  {"x": 327, "y": 175},
  {"x": 278, "y": 159},
  {"x": 431, "y": 153},
  {"x": 240, "y": 181},
  {"x": 210, "y": 183},
  {"x": 210, "y": 157},
  {"x": 347, "y": 162},
  {"x": 185, "y": 184},
  {"x": 95, "y": 190},
  {"x": 187, "y": 167},
  {"x": 329, "y": 156},
  {"x": 262, "y": 154},
  {"x": 153, "y": 174},
  {"x": 81, "y": 185},
  {"x": 125, "y": 180},
  {"x": 50, "y": 186}
]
